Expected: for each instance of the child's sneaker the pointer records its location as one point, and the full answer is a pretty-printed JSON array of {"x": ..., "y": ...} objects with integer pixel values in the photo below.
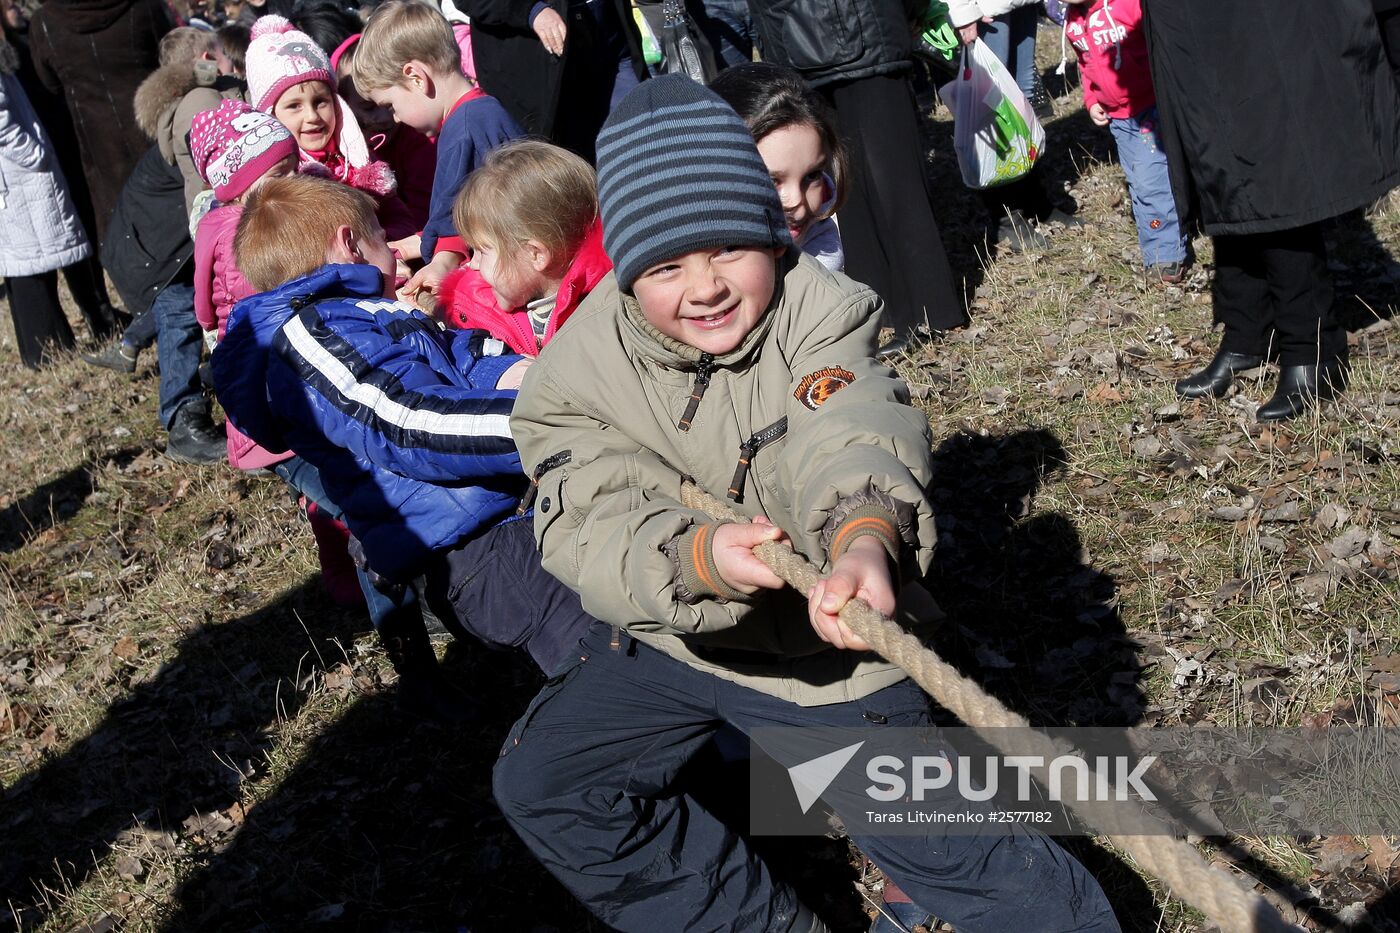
[
  {"x": 1167, "y": 273},
  {"x": 117, "y": 356}
]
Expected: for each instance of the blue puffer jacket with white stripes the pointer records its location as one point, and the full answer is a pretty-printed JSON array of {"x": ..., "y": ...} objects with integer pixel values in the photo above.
[{"x": 403, "y": 419}]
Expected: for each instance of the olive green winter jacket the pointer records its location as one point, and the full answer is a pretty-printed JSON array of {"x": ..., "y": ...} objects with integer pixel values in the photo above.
[{"x": 608, "y": 423}]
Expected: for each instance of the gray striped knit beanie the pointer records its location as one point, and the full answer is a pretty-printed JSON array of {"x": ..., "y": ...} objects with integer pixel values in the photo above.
[{"x": 679, "y": 172}]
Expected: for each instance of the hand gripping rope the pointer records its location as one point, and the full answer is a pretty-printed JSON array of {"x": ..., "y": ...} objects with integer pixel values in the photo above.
[{"x": 1176, "y": 863}]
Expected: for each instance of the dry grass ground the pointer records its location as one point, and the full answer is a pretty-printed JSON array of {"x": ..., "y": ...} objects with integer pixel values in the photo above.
[{"x": 193, "y": 737}]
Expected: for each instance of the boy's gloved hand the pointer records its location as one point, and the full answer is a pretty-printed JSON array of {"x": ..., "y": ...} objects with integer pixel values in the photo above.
[
  {"x": 732, "y": 547},
  {"x": 862, "y": 571}
]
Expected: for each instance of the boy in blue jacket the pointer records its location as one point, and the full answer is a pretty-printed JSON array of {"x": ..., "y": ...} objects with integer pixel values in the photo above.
[{"x": 402, "y": 427}]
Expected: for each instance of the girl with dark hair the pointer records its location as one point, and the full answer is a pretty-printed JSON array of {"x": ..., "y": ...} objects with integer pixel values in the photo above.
[
  {"x": 796, "y": 134},
  {"x": 860, "y": 61}
]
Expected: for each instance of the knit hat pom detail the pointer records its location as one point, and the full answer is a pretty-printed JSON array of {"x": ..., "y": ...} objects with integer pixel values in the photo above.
[
  {"x": 281, "y": 56},
  {"x": 269, "y": 24},
  {"x": 375, "y": 178}
]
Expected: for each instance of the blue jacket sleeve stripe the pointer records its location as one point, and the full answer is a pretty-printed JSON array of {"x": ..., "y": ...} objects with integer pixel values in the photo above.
[{"x": 470, "y": 424}]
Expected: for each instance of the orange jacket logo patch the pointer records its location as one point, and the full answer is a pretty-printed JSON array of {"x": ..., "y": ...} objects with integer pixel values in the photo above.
[{"x": 815, "y": 388}]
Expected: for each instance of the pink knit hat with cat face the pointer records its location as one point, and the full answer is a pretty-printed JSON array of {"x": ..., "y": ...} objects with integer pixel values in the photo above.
[
  {"x": 281, "y": 56},
  {"x": 233, "y": 145}
]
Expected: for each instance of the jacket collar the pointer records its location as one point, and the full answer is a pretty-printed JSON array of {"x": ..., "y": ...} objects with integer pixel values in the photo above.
[{"x": 589, "y": 267}]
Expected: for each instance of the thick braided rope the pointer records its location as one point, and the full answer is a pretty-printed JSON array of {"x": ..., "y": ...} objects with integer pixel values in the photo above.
[{"x": 1213, "y": 892}]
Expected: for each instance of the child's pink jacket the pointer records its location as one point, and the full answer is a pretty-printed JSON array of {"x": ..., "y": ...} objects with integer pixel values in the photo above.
[
  {"x": 217, "y": 285},
  {"x": 1108, "y": 39}
]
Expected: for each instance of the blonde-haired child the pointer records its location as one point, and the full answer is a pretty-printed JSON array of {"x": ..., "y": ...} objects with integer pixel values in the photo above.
[
  {"x": 411, "y": 155},
  {"x": 531, "y": 215},
  {"x": 408, "y": 61}
]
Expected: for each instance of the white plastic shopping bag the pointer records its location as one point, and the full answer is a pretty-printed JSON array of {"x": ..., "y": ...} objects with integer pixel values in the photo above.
[{"x": 996, "y": 135}]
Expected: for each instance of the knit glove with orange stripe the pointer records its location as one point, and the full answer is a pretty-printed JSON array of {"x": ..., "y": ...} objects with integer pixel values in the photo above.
[{"x": 717, "y": 561}]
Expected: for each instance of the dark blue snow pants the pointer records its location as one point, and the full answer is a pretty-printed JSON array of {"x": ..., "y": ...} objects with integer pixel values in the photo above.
[{"x": 586, "y": 777}]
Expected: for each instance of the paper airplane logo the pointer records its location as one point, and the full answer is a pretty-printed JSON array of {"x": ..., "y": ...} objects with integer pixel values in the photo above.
[{"x": 811, "y": 778}]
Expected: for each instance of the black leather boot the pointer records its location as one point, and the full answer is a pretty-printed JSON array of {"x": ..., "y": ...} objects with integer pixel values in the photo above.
[
  {"x": 1216, "y": 378},
  {"x": 193, "y": 437},
  {"x": 1302, "y": 387}
]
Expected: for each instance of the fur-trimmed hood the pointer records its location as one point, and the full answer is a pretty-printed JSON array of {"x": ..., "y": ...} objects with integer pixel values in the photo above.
[
  {"x": 168, "y": 100},
  {"x": 160, "y": 93}
]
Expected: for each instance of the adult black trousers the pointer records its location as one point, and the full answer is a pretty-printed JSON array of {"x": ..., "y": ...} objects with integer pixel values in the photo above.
[
  {"x": 887, "y": 225},
  {"x": 1274, "y": 288},
  {"x": 40, "y": 326}
]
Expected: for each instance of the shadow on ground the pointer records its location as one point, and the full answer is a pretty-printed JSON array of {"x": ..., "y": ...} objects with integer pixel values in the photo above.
[
  {"x": 178, "y": 745},
  {"x": 52, "y": 503},
  {"x": 389, "y": 824},
  {"x": 1028, "y": 618}
]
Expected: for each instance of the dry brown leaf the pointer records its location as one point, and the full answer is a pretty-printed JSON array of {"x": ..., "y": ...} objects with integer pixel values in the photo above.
[
  {"x": 49, "y": 737},
  {"x": 236, "y": 814},
  {"x": 1104, "y": 393},
  {"x": 1381, "y": 857},
  {"x": 1340, "y": 854},
  {"x": 126, "y": 648},
  {"x": 1389, "y": 663}
]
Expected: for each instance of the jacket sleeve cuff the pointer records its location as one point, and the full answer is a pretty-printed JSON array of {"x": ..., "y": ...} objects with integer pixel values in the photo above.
[
  {"x": 697, "y": 577},
  {"x": 859, "y": 519},
  {"x": 536, "y": 10}
]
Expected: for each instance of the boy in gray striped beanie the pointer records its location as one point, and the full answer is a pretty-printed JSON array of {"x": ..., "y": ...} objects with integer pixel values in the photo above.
[
  {"x": 752, "y": 374},
  {"x": 678, "y": 172}
]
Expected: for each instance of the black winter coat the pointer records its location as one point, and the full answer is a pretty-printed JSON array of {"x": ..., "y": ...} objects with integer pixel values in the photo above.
[
  {"x": 836, "y": 40},
  {"x": 95, "y": 53},
  {"x": 148, "y": 240},
  {"x": 513, "y": 66},
  {"x": 1274, "y": 113}
]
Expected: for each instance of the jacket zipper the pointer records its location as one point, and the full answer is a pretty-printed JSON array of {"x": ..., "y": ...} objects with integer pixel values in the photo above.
[
  {"x": 703, "y": 370},
  {"x": 748, "y": 450},
  {"x": 551, "y": 462}
]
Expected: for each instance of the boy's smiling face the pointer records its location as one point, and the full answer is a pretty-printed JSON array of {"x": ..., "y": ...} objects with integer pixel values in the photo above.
[{"x": 709, "y": 299}]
